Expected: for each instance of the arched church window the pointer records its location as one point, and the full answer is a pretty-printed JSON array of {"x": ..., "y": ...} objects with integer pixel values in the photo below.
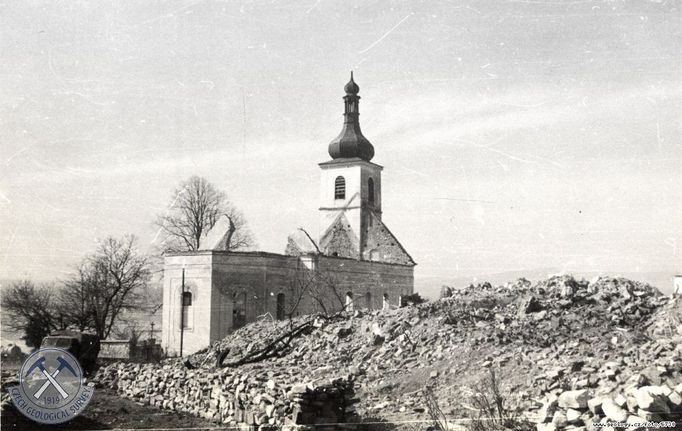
[
  {"x": 386, "y": 304},
  {"x": 349, "y": 301},
  {"x": 186, "y": 299},
  {"x": 370, "y": 191},
  {"x": 186, "y": 308},
  {"x": 239, "y": 310},
  {"x": 368, "y": 300},
  {"x": 340, "y": 188}
]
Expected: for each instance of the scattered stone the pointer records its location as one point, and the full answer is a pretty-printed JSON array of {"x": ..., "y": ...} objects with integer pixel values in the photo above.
[
  {"x": 531, "y": 305},
  {"x": 573, "y": 416},
  {"x": 651, "y": 398},
  {"x": 559, "y": 419},
  {"x": 594, "y": 404},
  {"x": 574, "y": 399},
  {"x": 620, "y": 400},
  {"x": 613, "y": 411}
]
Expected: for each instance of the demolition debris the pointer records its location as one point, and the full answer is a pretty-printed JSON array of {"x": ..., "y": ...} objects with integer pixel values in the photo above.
[{"x": 569, "y": 354}]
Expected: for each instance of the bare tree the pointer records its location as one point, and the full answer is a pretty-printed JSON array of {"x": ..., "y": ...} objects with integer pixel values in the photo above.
[
  {"x": 196, "y": 207},
  {"x": 320, "y": 288},
  {"x": 109, "y": 282},
  {"x": 75, "y": 300},
  {"x": 32, "y": 310}
]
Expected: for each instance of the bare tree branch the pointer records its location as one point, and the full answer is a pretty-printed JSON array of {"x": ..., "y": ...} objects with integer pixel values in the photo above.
[
  {"x": 32, "y": 310},
  {"x": 317, "y": 286},
  {"x": 109, "y": 282}
]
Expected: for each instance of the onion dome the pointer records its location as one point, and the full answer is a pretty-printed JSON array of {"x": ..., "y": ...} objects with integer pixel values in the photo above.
[{"x": 351, "y": 143}]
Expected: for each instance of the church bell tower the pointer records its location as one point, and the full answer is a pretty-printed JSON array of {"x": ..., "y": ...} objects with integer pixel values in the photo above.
[{"x": 350, "y": 187}]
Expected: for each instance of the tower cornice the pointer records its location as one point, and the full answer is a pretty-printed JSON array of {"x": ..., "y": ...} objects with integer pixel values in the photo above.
[{"x": 348, "y": 162}]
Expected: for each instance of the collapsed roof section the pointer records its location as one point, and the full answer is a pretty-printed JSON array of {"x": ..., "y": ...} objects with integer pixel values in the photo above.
[
  {"x": 378, "y": 242},
  {"x": 218, "y": 236}
]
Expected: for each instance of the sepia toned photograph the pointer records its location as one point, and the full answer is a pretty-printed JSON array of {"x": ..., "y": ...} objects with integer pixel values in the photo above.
[{"x": 312, "y": 215}]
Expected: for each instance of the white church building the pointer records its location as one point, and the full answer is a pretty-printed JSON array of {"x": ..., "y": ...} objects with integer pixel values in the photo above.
[{"x": 355, "y": 262}]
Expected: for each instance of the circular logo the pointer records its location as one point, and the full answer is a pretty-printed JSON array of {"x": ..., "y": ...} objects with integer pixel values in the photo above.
[{"x": 51, "y": 388}]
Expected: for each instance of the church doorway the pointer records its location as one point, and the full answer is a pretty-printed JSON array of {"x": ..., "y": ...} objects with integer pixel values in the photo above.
[{"x": 281, "y": 314}]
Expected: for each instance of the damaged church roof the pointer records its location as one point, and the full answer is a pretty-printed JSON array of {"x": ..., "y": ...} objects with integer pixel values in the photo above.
[
  {"x": 218, "y": 236},
  {"x": 378, "y": 242},
  {"x": 299, "y": 243}
]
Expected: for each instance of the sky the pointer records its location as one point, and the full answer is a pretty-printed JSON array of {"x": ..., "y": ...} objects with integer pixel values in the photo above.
[{"x": 515, "y": 135}]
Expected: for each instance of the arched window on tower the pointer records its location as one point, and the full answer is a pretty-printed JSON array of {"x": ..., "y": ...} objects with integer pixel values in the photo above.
[
  {"x": 370, "y": 191},
  {"x": 340, "y": 188}
]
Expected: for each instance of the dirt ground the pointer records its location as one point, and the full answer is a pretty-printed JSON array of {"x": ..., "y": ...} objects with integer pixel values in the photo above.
[{"x": 106, "y": 411}]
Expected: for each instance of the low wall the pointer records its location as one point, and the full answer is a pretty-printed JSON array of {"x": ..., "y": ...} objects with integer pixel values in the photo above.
[
  {"x": 114, "y": 349},
  {"x": 231, "y": 397}
]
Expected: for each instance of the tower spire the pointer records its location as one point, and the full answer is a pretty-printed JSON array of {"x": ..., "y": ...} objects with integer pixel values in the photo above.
[{"x": 351, "y": 143}]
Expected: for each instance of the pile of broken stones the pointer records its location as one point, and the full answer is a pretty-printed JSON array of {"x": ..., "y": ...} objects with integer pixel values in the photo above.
[
  {"x": 638, "y": 406},
  {"x": 257, "y": 397},
  {"x": 567, "y": 353}
]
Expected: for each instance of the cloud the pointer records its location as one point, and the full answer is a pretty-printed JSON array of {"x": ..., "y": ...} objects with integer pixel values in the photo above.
[{"x": 446, "y": 118}]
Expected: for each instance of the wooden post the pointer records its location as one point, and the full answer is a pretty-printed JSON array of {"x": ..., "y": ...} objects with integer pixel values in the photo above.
[{"x": 182, "y": 311}]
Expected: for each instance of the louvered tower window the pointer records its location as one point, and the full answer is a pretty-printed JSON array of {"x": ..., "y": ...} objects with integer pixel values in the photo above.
[{"x": 340, "y": 188}]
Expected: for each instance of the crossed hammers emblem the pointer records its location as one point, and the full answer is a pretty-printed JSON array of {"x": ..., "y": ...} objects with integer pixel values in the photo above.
[{"x": 40, "y": 364}]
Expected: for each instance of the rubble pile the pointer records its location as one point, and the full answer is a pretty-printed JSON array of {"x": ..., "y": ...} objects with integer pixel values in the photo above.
[
  {"x": 543, "y": 339},
  {"x": 258, "y": 397},
  {"x": 638, "y": 405},
  {"x": 8, "y": 379},
  {"x": 638, "y": 382}
]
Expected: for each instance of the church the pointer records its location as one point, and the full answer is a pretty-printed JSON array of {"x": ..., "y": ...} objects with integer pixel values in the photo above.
[{"x": 354, "y": 261}]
